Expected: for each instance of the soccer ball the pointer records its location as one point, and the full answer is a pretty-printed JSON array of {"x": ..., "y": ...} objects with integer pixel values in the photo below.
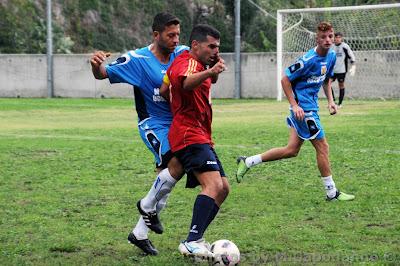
[{"x": 225, "y": 253}]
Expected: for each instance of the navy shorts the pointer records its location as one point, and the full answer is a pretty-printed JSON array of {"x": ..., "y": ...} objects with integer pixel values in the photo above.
[
  {"x": 339, "y": 76},
  {"x": 198, "y": 158}
]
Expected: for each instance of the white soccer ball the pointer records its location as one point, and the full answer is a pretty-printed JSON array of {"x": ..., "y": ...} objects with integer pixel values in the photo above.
[{"x": 225, "y": 253}]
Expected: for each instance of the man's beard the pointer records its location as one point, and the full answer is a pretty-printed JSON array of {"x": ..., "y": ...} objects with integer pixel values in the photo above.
[{"x": 165, "y": 50}]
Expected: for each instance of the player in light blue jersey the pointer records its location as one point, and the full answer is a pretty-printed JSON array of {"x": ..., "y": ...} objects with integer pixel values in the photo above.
[
  {"x": 144, "y": 69},
  {"x": 301, "y": 84}
]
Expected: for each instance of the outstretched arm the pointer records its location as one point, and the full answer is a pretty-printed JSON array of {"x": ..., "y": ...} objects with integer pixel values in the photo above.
[{"x": 98, "y": 69}]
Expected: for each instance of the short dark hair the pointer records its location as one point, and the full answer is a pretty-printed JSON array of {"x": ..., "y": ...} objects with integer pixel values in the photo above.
[
  {"x": 324, "y": 26},
  {"x": 338, "y": 34},
  {"x": 164, "y": 19},
  {"x": 201, "y": 31}
]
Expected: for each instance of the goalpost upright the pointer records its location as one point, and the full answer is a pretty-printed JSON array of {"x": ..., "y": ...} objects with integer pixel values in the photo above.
[{"x": 304, "y": 23}]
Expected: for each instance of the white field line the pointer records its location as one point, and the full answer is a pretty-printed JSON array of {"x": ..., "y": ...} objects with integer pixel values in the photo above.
[
  {"x": 110, "y": 139},
  {"x": 47, "y": 136},
  {"x": 138, "y": 140}
]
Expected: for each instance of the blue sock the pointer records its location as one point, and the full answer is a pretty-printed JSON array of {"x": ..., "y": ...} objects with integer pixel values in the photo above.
[{"x": 203, "y": 207}]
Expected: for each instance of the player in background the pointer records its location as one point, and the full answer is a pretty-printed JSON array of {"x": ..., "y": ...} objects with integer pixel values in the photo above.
[
  {"x": 343, "y": 54},
  {"x": 301, "y": 84},
  {"x": 190, "y": 77},
  {"x": 144, "y": 69}
]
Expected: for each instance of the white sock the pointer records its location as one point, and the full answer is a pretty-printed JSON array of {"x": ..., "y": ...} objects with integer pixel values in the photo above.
[
  {"x": 253, "y": 160},
  {"x": 330, "y": 187},
  {"x": 141, "y": 230},
  {"x": 161, "y": 203},
  {"x": 162, "y": 186}
]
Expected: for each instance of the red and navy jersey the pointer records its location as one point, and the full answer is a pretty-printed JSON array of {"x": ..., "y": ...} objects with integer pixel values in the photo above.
[{"x": 191, "y": 109}]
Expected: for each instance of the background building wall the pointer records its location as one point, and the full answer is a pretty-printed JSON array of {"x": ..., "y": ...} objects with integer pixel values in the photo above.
[{"x": 26, "y": 76}]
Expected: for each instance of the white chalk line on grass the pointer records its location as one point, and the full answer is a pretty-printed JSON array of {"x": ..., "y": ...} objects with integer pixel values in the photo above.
[
  {"x": 137, "y": 140},
  {"x": 110, "y": 139},
  {"x": 93, "y": 138}
]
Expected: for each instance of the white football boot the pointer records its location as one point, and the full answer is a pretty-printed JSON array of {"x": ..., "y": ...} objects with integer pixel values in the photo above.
[{"x": 199, "y": 249}]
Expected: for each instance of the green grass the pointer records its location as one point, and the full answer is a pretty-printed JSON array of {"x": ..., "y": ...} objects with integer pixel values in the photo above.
[{"x": 71, "y": 171}]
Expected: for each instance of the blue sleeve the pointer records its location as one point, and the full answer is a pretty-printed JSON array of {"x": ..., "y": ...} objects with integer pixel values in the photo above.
[
  {"x": 296, "y": 70},
  {"x": 126, "y": 69}
]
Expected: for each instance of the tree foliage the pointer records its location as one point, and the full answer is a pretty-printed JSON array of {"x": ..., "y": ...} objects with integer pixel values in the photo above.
[{"x": 120, "y": 25}]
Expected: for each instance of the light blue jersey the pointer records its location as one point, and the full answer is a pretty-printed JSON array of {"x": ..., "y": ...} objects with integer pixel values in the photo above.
[
  {"x": 307, "y": 76},
  {"x": 144, "y": 72}
]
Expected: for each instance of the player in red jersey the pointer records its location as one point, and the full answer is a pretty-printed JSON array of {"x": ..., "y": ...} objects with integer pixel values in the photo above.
[{"x": 190, "y": 77}]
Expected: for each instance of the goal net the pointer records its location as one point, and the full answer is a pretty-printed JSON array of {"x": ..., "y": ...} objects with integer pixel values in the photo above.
[{"x": 372, "y": 32}]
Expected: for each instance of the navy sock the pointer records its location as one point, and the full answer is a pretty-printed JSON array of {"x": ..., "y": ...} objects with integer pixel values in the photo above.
[
  {"x": 341, "y": 96},
  {"x": 212, "y": 215},
  {"x": 333, "y": 95},
  {"x": 203, "y": 207}
]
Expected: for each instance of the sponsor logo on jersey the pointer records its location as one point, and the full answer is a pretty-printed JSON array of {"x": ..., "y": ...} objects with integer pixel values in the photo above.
[
  {"x": 211, "y": 162},
  {"x": 315, "y": 79},
  {"x": 157, "y": 97}
]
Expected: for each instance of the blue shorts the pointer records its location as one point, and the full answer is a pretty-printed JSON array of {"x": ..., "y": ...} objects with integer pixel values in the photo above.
[
  {"x": 154, "y": 134},
  {"x": 309, "y": 128},
  {"x": 198, "y": 158}
]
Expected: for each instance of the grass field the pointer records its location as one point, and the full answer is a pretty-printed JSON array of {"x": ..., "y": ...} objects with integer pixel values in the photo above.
[{"x": 71, "y": 171}]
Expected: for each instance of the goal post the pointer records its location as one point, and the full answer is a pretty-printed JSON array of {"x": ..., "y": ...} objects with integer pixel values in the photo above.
[{"x": 372, "y": 31}]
